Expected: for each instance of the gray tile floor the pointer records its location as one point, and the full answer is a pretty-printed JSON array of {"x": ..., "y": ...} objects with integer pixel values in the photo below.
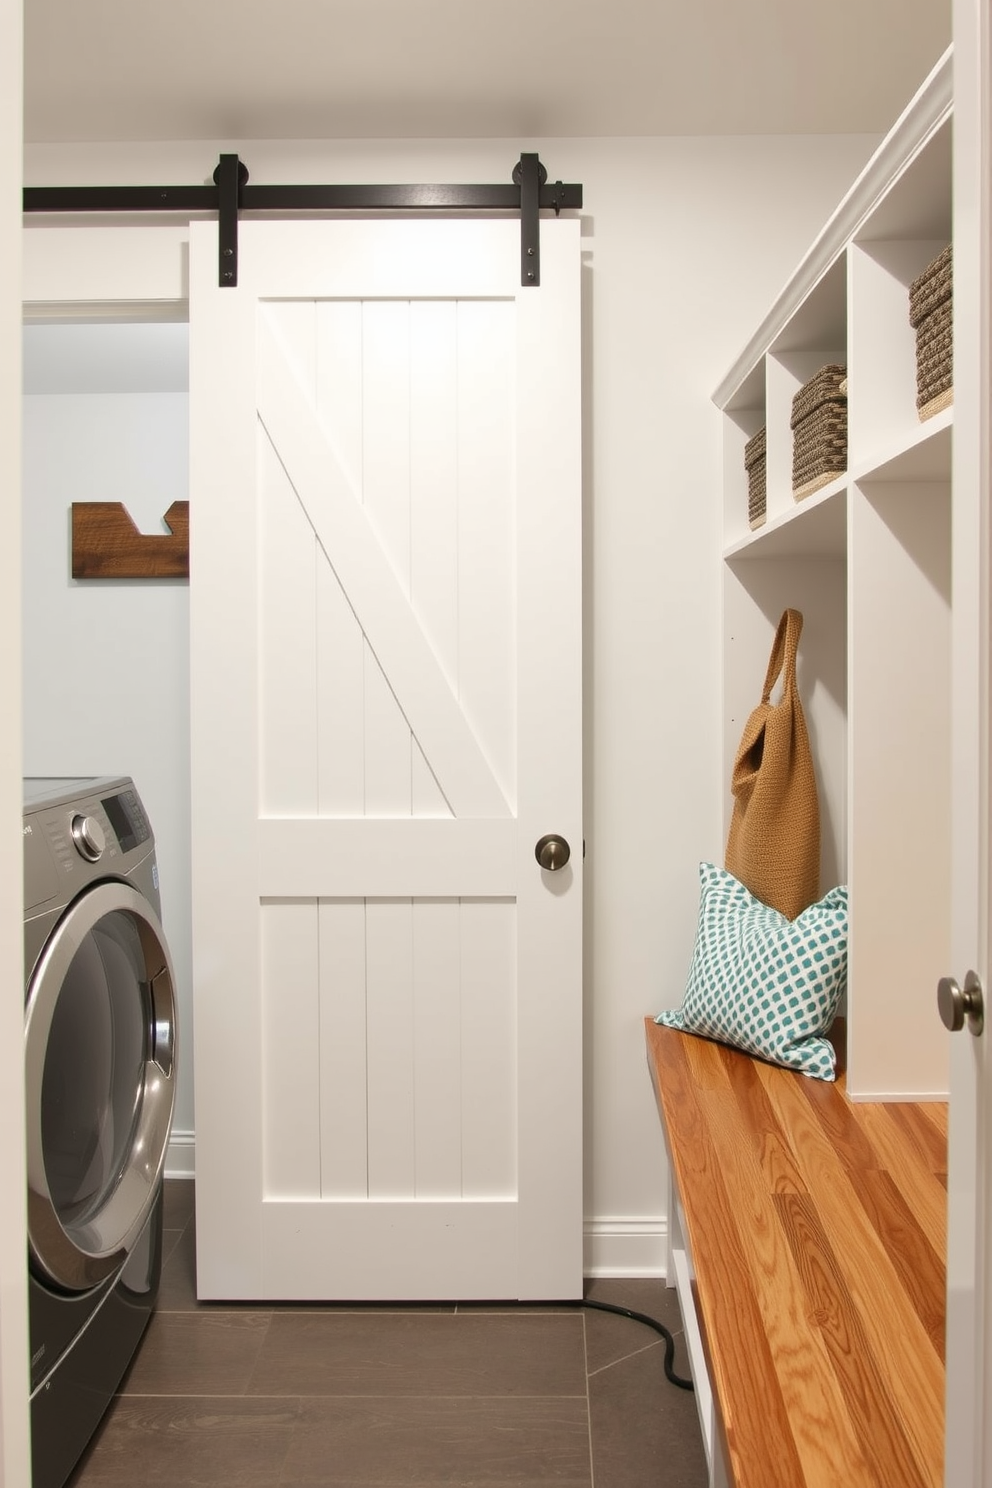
[{"x": 388, "y": 1396}]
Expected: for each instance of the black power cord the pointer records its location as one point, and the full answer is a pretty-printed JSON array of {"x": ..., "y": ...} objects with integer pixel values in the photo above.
[{"x": 642, "y": 1317}]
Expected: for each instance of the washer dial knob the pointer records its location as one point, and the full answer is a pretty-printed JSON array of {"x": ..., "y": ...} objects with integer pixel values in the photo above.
[{"x": 87, "y": 834}]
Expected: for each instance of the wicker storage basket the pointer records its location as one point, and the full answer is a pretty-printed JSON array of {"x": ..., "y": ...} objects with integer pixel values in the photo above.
[
  {"x": 931, "y": 308},
  {"x": 756, "y": 465},
  {"x": 819, "y": 430}
]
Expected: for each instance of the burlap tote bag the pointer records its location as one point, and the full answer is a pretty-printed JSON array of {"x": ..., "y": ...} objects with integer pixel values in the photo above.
[{"x": 773, "y": 846}]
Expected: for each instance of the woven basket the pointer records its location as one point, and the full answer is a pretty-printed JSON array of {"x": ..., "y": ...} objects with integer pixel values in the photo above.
[
  {"x": 931, "y": 314},
  {"x": 756, "y": 465},
  {"x": 932, "y": 287},
  {"x": 819, "y": 430},
  {"x": 825, "y": 387}
]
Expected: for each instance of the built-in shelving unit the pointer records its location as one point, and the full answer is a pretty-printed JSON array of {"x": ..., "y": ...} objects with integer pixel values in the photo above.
[{"x": 867, "y": 559}]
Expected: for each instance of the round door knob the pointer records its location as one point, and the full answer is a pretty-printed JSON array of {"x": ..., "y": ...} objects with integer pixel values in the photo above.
[
  {"x": 958, "y": 1005},
  {"x": 552, "y": 852},
  {"x": 87, "y": 834}
]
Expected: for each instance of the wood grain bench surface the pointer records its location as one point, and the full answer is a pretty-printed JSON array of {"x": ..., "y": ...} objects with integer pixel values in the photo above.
[{"x": 817, "y": 1227}]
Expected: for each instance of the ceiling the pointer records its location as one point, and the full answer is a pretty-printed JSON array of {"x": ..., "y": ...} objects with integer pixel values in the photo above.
[{"x": 316, "y": 69}]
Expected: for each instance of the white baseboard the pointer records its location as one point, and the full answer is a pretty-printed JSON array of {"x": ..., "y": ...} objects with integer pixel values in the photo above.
[
  {"x": 625, "y": 1246},
  {"x": 180, "y": 1160},
  {"x": 613, "y": 1246}
]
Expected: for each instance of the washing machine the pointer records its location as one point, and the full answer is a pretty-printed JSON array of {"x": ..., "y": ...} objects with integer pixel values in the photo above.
[{"x": 100, "y": 1072}]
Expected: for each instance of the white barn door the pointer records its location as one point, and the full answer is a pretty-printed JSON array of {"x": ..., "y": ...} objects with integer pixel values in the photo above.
[{"x": 386, "y": 717}]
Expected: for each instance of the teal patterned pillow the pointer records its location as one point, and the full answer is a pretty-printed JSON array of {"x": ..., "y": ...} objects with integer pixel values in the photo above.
[{"x": 763, "y": 983}]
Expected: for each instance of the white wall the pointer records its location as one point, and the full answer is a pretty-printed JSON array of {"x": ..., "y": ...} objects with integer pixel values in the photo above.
[
  {"x": 14, "y": 1441},
  {"x": 687, "y": 241}
]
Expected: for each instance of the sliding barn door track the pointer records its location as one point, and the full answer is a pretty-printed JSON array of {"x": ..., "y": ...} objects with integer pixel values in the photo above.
[{"x": 231, "y": 194}]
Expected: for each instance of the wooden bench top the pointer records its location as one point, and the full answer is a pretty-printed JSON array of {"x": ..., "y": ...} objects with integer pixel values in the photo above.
[{"x": 817, "y": 1227}]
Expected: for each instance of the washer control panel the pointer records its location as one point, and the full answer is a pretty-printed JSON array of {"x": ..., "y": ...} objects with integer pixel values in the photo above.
[
  {"x": 127, "y": 818},
  {"x": 80, "y": 832},
  {"x": 88, "y": 837},
  {"x": 72, "y": 833}
]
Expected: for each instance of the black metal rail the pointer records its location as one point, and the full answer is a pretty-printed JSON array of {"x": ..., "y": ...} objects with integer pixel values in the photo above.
[{"x": 230, "y": 195}]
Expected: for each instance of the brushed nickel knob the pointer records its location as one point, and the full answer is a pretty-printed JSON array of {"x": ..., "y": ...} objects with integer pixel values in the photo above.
[
  {"x": 957, "y": 1005},
  {"x": 552, "y": 852},
  {"x": 87, "y": 835}
]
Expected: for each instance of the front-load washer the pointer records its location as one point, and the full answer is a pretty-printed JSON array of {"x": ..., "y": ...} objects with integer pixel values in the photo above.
[{"x": 100, "y": 1071}]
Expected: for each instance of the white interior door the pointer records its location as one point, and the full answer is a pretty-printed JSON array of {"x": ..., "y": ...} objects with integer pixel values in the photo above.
[
  {"x": 386, "y": 716},
  {"x": 968, "y": 1461}
]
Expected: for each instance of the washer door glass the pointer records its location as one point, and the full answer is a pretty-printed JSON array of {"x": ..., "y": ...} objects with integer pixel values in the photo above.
[
  {"x": 98, "y": 1045},
  {"x": 100, "y": 1084}
]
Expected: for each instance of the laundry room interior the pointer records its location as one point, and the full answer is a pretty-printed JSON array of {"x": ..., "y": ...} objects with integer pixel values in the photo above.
[
  {"x": 648, "y": 572},
  {"x": 108, "y": 405},
  {"x": 689, "y": 228}
]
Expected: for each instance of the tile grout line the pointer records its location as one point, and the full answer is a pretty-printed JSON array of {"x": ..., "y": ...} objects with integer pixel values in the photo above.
[
  {"x": 585, "y": 1357},
  {"x": 255, "y": 1365},
  {"x": 626, "y": 1358},
  {"x": 330, "y": 1395}
]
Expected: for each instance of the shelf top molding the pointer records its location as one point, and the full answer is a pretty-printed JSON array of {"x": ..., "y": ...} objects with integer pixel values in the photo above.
[{"x": 926, "y": 112}]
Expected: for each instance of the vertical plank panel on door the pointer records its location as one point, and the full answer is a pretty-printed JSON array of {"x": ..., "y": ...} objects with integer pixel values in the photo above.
[
  {"x": 340, "y": 643},
  {"x": 295, "y": 325},
  {"x": 437, "y": 1048},
  {"x": 426, "y": 796},
  {"x": 434, "y": 505},
  {"x": 486, "y": 530},
  {"x": 386, "y": 427},
  {"x": 434, "y": 414},
  {"x": 338, "y": 381},
  {"x": 340, "y": 702},
  {"x": 488, "y": 1049},
  {"x": 388, "y": 746},
  {"x": 341, "y": 766},
  {"x": 343, "y": 1053},
  {"x": 434, "y": 597},
  {"x": 290, "y": 1050},
  {"x": 386, "y": 495},
  {"x": 287, "y": 645},
  {"x": 389, "y": 1018},
  {"x": 389, "y": 756},
  {"x": 288, "y": 786}
]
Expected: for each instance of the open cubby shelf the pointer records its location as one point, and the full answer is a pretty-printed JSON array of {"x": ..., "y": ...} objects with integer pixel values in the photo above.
[{"x": 867, "y": 559}]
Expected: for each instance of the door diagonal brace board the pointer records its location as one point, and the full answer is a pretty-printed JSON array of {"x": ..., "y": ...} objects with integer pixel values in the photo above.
[{"x": 230, "y": 195}]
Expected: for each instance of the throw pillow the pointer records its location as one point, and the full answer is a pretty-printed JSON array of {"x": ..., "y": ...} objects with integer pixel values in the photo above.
[{"x": 765, "y": 984}]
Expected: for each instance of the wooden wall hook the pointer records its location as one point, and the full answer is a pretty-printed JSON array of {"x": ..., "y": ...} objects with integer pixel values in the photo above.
[{"x": 107, "y": 545}]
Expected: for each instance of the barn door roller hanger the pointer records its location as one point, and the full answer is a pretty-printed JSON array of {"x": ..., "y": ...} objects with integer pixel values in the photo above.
[{"x": 230, "y": 195}]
